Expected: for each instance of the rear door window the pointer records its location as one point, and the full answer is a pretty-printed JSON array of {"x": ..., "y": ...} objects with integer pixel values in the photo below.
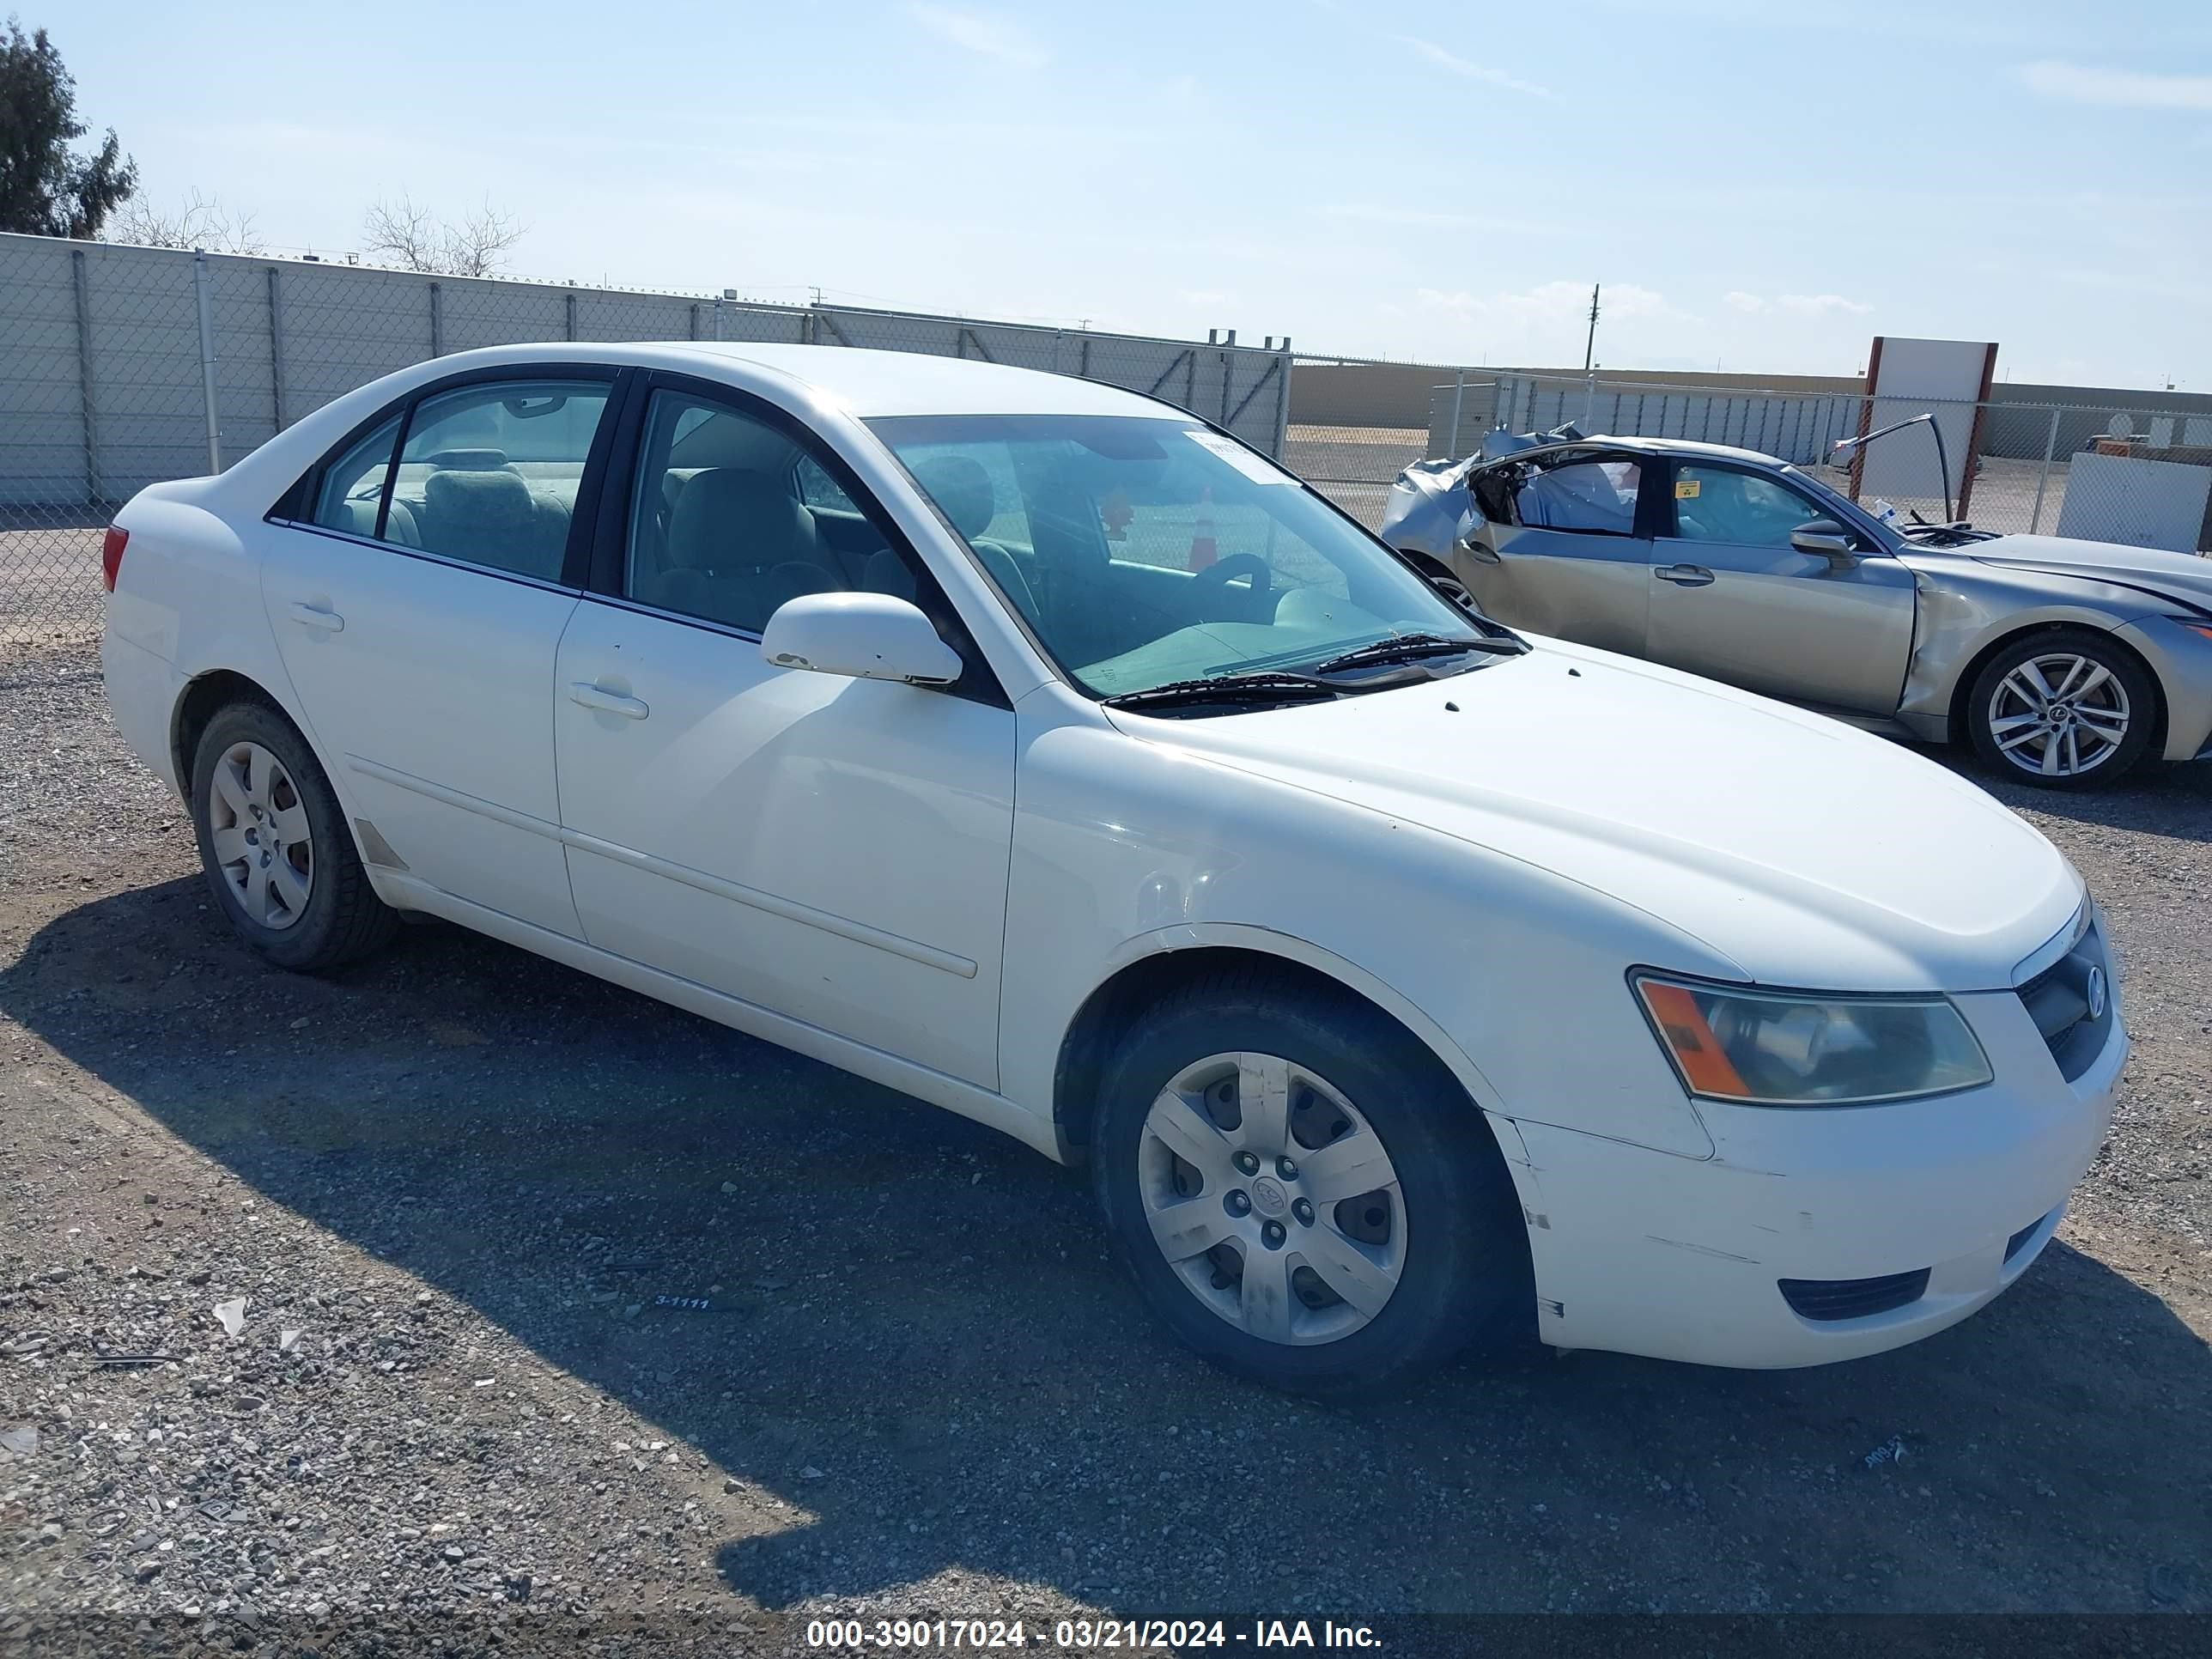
[{"x": 490, "y": 472}]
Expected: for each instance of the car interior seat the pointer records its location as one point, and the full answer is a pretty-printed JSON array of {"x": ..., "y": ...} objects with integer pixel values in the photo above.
[{"x": 739, "y": 544}]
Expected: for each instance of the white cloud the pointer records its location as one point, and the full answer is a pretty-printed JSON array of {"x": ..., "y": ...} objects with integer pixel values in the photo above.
[
  {"x": 2080, "y": 83},
  {"x": 1461, "y": 67},
  {"x": 1737, "y": 300},
  {"x": 1822, "y": 305},
  {"x": 984, "y": 35}
]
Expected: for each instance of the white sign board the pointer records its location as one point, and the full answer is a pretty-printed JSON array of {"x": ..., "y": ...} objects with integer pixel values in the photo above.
[
  {"x": 2140, "y": 503},
  {"x": 1947, "y": 378}
]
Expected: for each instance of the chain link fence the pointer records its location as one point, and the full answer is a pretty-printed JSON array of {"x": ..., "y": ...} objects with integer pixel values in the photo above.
[{"x": 123, "y": 365}]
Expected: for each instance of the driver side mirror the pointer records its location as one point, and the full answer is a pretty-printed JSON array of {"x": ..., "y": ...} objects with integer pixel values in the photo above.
[
  {"x": 862, "y": 636},
  {"x": 1825, "y": 538}
]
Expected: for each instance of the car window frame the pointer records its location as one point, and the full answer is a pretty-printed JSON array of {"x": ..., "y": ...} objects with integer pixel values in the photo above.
[
  {"x": 607, "y": 559},
  {"x": 293, "y": 510},
  {"x": 1671, "y": 529}
]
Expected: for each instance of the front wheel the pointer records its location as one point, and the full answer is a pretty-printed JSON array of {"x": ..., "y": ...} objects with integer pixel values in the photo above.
[
  {"x": 2066, "y": 709},
  {"x": 1304, "y": 1194}
]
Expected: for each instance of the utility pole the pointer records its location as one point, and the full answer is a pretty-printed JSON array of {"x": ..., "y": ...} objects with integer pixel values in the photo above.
[{"x": 1590, "y": 353}]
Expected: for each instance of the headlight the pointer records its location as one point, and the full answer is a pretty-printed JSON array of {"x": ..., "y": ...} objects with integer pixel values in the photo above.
[{"x": 1793, "y": 1050}]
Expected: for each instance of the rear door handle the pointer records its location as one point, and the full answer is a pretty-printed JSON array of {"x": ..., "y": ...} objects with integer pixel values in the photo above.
[
  {"x": 1684, "y": 575},
  {"x": 607, "y": 702},
  {"x": 309, "y": 616}
]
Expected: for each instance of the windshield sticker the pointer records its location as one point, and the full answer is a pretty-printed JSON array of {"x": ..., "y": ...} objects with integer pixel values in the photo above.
[
  {"x": 1685, "y": 490},
  {"x": 1257, "y": 468}
]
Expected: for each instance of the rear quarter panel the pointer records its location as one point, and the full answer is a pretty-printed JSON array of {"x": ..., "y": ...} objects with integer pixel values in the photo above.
[{"x": 189, "y": 593}]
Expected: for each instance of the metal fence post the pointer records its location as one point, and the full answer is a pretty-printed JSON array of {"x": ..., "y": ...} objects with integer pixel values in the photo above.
[
  {"x": 86, "y": 406},
  {"x": 207, "y": 358},
  {"x": 1458, "y": 397},
  {"x": 570, "y": 322},
  {"x": 718, "y": 319},
  {"x": 2043, "y": 478},
  {"x": 1283, "y": 406},
  {"x": 276, "y": 348},
  {"x": 438, "y": 323}
]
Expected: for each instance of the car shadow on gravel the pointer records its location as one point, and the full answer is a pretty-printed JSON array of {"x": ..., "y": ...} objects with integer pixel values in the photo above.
[{"x": 917, "y": 1345}]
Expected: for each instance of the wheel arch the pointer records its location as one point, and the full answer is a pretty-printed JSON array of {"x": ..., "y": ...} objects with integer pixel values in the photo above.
[
  {"x": 1962, "y": 688},
  {"x": 1157, "y": 967},
  {"x": 203, "y": 698}
]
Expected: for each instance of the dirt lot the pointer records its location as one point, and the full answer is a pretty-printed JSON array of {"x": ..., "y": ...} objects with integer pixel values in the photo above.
[{"x": 462, "y": 1175}]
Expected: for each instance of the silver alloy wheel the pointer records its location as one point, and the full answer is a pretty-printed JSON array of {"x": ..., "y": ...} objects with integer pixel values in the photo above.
[
  {"x": 1273, "y": 1198},
  {"x": 258, "y": 825},
  {"x": 2059, "y": 715}
]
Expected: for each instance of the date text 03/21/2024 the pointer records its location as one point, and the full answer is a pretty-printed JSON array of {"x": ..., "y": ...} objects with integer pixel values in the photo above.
[{"x": 1084, "y": 1634}]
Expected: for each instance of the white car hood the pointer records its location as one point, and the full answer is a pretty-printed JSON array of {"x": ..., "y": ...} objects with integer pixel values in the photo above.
[
  {"x": 2185, "y": 576},
  {"x": 1804, "y": 851}
]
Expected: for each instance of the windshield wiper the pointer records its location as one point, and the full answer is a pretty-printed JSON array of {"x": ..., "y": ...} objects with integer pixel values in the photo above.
[
  {"x": 1227, "y": 687},
  {"x": 1408, "y": 647}
]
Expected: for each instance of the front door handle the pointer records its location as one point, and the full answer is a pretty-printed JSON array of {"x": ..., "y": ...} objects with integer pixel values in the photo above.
[
  {"x": 607, "y": 702},
  {"x": 310, "y": 616},
  {"x": 1684, "y": 575}
]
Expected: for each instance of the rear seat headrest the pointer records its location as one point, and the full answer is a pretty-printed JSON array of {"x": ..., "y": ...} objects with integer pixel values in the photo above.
[{"x": 469, "y": 460}]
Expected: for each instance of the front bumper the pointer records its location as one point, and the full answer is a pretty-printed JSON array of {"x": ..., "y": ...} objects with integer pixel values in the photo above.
[{"x": 1707, "y": 1259}]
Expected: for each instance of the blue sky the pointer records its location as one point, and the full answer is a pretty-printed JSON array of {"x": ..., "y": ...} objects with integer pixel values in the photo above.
[{"x": 1760, "y": 184}]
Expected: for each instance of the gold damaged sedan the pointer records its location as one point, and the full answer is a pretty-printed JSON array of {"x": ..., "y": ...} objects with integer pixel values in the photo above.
[{"x": 2067, "y": 663}]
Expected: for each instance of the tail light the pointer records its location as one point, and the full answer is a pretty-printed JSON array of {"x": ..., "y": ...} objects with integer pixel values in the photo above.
[{"x": 110, "y": 555}]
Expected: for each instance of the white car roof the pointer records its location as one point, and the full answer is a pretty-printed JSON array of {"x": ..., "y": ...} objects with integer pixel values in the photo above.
[{"x": 864, "y": 382}]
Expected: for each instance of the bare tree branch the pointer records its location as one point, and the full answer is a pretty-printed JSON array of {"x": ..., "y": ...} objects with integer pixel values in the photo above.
[
  {"x": 416, "y": 238},
  {"x": 202, "y": 221}
]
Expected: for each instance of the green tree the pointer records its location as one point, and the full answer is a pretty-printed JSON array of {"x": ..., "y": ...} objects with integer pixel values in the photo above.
[{"x": 46, "y": 189}]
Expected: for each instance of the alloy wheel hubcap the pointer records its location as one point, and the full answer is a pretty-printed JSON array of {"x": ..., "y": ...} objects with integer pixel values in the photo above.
[
  {"x": 258, "y": 827},
  {"x": 2060, "y": 716},
  {"x": 1272, "y": 1198}
]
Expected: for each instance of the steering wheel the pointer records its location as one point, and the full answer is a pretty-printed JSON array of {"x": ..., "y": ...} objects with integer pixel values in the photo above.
[{"x": 1218, "y": 576}]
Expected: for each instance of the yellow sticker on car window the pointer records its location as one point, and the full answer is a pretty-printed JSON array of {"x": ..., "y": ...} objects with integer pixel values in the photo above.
[{"x": 1685, "y": 490}]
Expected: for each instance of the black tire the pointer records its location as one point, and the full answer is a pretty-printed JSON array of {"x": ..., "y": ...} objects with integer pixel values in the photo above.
[
  {"x": 342, "y": 919},
  {"x": 2022, "y": 764},
  {"x": 1465, "y": 1280}
]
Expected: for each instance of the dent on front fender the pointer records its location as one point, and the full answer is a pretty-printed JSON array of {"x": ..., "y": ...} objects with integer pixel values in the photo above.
[{"x": 1963, "y": 609}]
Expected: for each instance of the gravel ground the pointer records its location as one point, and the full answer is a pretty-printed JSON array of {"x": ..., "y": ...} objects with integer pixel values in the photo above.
[{"x": 448, "y": 1185}]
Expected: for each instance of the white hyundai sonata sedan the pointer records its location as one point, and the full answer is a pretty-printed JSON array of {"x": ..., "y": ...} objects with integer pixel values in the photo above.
[{"x": 1040, "y": 751}]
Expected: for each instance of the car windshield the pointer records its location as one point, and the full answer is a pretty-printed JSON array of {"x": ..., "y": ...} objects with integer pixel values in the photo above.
[{"x": 1145, "y": 552}]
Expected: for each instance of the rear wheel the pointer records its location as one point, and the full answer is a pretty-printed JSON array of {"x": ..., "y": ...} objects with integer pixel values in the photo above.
[
  {"x": 274, "y": 846},
  {"x": 1304, "y": 1194},
  {"x": 2066, "y": 709}
]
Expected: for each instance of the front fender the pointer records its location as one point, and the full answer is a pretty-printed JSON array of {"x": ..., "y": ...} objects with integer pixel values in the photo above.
[
  {"x": 1963, "y": 612},
  {"x": 1513, "y": 976}
]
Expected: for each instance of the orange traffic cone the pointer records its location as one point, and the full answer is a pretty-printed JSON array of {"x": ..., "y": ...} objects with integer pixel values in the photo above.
[{"x": 1202, "y": 551}]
